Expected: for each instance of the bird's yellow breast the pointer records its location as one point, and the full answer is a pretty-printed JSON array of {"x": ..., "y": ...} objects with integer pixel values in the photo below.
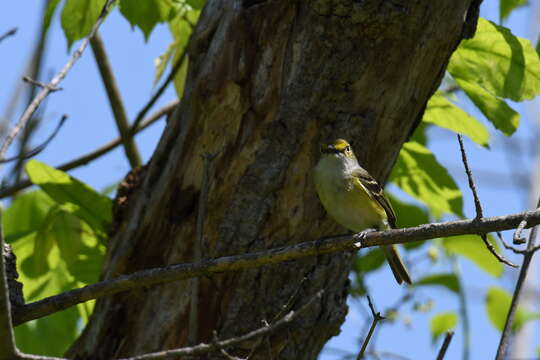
[{"x": 348, "y": 202}]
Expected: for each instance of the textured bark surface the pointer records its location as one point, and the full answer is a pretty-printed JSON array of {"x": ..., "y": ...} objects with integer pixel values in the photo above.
[{"x": 268, "y": 81}]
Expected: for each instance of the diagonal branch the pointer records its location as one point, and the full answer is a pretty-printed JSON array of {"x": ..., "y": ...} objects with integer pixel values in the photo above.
[
  {"x": 478, "y": 205},
  {"x": 527, "y": 257},
  {"x": 376, "y": 318},
  {"x": 115, "y": 100},
  {"x": 85, "y": 159},
  {"x": 7, "y": 34},
  {"x": 445, "y": 344},
  {"x": 150, "y": 277},
  {"x": 53, "y": 83}
]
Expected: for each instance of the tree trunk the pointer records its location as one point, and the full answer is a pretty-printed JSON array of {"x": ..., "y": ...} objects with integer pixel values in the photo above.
[{"x": 267, "y": 82}]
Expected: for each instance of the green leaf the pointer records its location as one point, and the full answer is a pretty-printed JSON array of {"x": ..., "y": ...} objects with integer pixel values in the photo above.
[
  {"x": 370, "y": 261},
  {"x": 449, "y": 281},
  {"x": 473, "y": 248},
  {"x": 506, "y": 7},
  {"x": 78, "y": 18},
  {"x": 441, "y": 323},
  {"x": 56, "y": 332},
  {"x": 196, "y": 4},
  {"x": 25, "y": 214},
  {"x": 441, "y": 112},
  {"x": 88, "y": 204},
  {"x": 495, "y": 109},
  {"x": 145, "y": 14},
  {"x": 163, "y": 60},
  {"x": 502, "y": 64},
  {"x": 49, "y": 12},
  {"x": 498, "y": 302},
  {"x": 419, "y": 174}
]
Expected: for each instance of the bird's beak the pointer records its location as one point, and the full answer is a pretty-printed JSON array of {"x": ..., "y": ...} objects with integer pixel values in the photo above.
[{"x": 328, "y": 149}]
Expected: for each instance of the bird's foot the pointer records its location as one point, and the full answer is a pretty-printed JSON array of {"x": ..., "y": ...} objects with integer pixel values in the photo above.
[{"x": 361, "y": 236}]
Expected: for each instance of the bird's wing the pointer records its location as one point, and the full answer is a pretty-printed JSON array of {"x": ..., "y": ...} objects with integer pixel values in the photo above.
[{"x": 377, "y": 193}]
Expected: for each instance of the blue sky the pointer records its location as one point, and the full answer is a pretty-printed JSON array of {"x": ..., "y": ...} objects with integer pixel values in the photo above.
[{"x": 90, "y": 125}]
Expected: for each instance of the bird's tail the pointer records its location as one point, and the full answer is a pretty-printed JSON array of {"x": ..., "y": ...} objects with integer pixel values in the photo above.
[{"x": 396, "y": 264}]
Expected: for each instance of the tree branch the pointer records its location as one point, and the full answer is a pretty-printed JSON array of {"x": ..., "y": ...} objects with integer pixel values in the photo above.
[
  {"x": 376, "y": 318},
  {"x": 527, "y": 257},
  {"x": 219, "y": 345},
  {"x": 26, "y": 116},
  {"x": 85, "y": 159},
  {"x": 7, "y": 34},
  {"x": 445, "y": 344},
  {"x": 478, "y": 205},
  {"x": 150, "y": 277},
  {"x": 115, "y": 100},
  {"x": 8, "y": 350}
]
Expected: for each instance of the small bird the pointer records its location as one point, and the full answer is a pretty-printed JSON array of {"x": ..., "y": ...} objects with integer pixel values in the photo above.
[{"x": 355, "y": 199}]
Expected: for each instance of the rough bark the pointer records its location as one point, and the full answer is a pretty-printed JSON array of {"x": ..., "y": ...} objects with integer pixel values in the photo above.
[{"x": 267, "y": 82}]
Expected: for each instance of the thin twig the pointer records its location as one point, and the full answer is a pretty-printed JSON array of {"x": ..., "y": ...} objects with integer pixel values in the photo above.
[
  {"x": 197, "y": 249},
  {"x": 8, "y": 34},
  {"x": 472, "y": 185},
  {"x": 510, "y": 247},
  {"x": 104, "y": 149},
  {"x": 218, "y": 345},
  {"x": 527, "y": 257},
  {"x": 518, "y": 239},
  {"x": 40, "y": 84},
  {"x": 35, "y": 151},
  {"x": 115, "y": 100},
  {"x": 27, "y": 115},
  {"x": 376, "y": 318},
  {"x": 445, "y": 344},
  {"x": 163, "y": 86},
  {"x": 150, "y": 277},
  {"x": 478, "y": 205}
]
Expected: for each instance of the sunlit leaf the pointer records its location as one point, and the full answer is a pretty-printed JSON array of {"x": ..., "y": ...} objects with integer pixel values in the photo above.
[
  {"x": 78, "y": 18},
  {"x": 419, "y": 174},
  {"x": 449, "y": 281},
  {"x": 49, "y": 13},
  {"x": 145, "y": 14},
  {"x": 441, "y": 112},
  {"x": 25, "y": 214},
  {"x": 473, "y": 248},
  {"x": 196, "y": 4},
  {"x": 88, "y": 204},
  {"x": 495, "y": 109},
  {"x": 441, "y": 323},
  {"x": 497, "y": 304},
  {"x": 502, "y": 64}
]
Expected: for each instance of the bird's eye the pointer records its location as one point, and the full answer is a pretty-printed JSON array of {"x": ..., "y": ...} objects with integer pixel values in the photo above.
[{"x": 348, "y": 149}]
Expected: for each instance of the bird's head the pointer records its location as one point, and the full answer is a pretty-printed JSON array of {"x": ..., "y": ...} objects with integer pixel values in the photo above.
[{"x": 339, "y": 148}]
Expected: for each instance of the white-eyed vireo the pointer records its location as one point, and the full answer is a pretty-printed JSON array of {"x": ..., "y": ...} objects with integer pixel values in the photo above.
[{"x": 354, "y": 198}]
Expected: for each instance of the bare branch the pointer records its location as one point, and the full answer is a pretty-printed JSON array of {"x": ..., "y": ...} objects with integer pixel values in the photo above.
[
  {"x": 445, "y": 344},
  {"x": 29, "y": 80},
  {"x": 26, "y": 116},
  {"x": 478, "y": 205},
  {"x": 38, "y": 148},
  {"x": 163, "y": 86},
  {"x": 8, "y": 34},
  {"x": 85, "y": 159},
  {"x": 115, "y": 100},
  {"x": 219, "y": 345},
  {"x": 527, "y": 257},
  {"x": 376, "y": 318},
  {"x": 150, "y": 277},
  {"x": 517, "y": 234},
  {"x": 508, "y": 246}
]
